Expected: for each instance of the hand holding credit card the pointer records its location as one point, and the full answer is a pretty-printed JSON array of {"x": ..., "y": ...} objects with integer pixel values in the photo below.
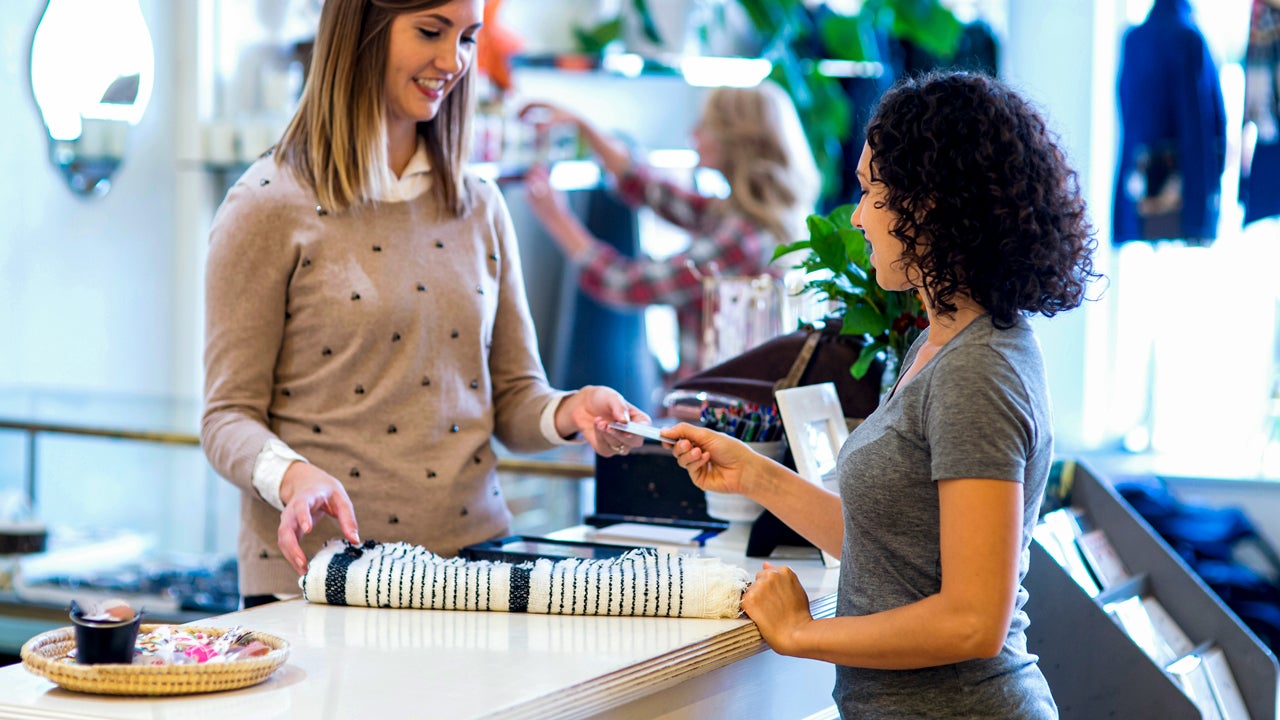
[{"x": 644, "y": 431}]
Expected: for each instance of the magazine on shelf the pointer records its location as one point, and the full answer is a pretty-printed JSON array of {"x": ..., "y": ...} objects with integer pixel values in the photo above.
[
  {"x": 1159, "y": 637},
  {"x": 1043, "y": 535},
  {"x": 642, "y": 534},
  {"x": 1192, "y": 676},
  {"x": 1102, "y": 558},
  {"x": 1057, "y": 533},
  {"x": 1168, "y": 629},
  {"x": 1223, "y": 684}
]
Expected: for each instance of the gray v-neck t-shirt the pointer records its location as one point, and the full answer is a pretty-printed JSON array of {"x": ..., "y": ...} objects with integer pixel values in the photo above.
[{"x": 978, "y": 409}]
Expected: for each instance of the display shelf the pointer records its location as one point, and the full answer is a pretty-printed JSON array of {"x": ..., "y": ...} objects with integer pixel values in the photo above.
[
  {"x": 699, "y": 70},
  {"x": 1093, "y": 667},
  {"x": 175, "y": 421}
]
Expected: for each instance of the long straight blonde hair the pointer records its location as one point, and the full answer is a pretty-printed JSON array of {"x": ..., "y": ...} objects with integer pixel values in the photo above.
[
  {"x": 764, "y": 156},
  {"x": 337, "y": 140}
]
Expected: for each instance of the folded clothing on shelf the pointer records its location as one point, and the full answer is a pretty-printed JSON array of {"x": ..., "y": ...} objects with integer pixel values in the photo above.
[{"x": 209, "y": 586}]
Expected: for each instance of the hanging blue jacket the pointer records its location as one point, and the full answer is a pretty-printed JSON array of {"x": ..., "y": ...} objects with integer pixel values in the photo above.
[{"x": 1173, "y": 129}]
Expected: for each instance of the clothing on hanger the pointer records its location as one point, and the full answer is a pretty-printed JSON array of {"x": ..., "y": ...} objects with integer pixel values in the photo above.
[
  {"x": 1260, "y": 169},
  {"x": 1173, "y": 131}
]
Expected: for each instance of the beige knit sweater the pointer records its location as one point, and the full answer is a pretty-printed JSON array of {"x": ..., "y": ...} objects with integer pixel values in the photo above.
[{"x": 386, "y": 344}]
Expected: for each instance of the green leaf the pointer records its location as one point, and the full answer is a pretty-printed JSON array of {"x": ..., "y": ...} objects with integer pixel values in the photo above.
[
  {"x": 789, "y": 248},
  {"x": 927, "y": 24},
  {"x": 595, "y": 39},
  {"x": 863, "y": 283},
  {"x": 831, "y": 104},
  {"x": 841, "y": 38},
  {"x": 768, "y": 16},
  {"x": 842, "y": 217},
  {"x": 855, "y": 246},
  {"x": 853, "y": 38},
  {"x": 827, "y": 244},
  {"x": 646, "y": 21},
  {"x": 819, "y": 226},
  {"x": 863, "y": 318},
  {"x": 865, "y": 358}
]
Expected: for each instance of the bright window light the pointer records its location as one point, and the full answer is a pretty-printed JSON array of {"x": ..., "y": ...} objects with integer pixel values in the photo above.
[
  {"x": 91, "y": 59},
  {"x": 675, "y": 159},
  {"x": 625, "y": 64},
  {"x": 725, "y": 71},
  {"x": 850, "y": 69}
]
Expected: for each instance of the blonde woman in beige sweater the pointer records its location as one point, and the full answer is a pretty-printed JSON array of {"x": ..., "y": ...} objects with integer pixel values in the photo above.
[{"x": 367, "y": 328}]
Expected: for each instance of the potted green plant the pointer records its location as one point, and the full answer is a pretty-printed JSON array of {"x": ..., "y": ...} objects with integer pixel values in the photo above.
[{"x": 838, "y": 267}]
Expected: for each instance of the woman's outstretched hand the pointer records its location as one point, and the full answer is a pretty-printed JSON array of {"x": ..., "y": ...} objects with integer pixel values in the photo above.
[
  {"x": 715, "y": 461},
  {"x": 545, "y": 113},
  {"x": 309, "y": 494},
  {"x": 590, "y": 410},
  {"x": 612, "y": 153},
  {"x": 547, "y": 203}
]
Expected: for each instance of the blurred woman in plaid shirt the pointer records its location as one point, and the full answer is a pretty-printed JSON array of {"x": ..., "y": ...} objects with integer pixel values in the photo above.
[{"x": 753, "y": 137}]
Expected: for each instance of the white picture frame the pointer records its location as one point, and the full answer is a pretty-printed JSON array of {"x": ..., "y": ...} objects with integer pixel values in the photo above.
[
  {"x": 814, "y": 422},
  {"x": 815, "y": 427}
]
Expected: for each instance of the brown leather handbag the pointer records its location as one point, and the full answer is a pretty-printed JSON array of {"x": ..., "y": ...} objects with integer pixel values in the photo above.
[{"x": 807, "y": 356}]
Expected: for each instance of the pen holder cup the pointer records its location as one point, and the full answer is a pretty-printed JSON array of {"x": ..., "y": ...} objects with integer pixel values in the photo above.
[
  {"x": 739, "y": 510},
  {"x": 105, "y": 642}
]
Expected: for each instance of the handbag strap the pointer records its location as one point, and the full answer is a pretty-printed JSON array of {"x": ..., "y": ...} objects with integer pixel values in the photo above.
[{"x": 800, "y": 364}]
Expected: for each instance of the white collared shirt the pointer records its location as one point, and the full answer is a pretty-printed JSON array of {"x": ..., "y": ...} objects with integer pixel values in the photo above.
[{"x": 415, "y": 179}]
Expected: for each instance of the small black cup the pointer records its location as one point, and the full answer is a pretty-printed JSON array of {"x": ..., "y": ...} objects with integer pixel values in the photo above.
[{"x": 105, "y": 642}]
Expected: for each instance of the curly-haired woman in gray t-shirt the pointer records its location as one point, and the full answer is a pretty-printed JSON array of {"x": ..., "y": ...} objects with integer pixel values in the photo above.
[{"x": 968, "y": 200}]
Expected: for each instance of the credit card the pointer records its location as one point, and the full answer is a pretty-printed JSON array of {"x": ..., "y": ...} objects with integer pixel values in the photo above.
[{"x": 644, "y": 431}]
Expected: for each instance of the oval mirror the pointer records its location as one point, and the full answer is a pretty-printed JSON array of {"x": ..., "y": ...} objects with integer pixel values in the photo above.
[{"x": 92, "y": 68}]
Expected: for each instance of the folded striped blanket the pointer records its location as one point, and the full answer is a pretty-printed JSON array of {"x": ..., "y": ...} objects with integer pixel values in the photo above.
[{"x": 641, "y": 582}]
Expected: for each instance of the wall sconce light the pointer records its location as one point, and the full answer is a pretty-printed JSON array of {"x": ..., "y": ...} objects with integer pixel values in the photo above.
[{"x": 92, "y": 69}]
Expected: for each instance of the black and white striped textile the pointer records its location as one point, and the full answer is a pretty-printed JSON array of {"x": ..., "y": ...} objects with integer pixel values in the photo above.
[{"x": 642, "y": 582}]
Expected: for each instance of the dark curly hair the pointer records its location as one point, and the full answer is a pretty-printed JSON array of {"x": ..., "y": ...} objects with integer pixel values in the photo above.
[{"x": 986, "y": 204}]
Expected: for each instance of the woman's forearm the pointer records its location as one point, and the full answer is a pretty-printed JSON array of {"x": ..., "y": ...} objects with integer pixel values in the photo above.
[
  {"x": 611, "y": 151},
  {"x": 571, "y": 235},
  {"x": 808, "y": 509},
  {"x": 933, "y": 631}
]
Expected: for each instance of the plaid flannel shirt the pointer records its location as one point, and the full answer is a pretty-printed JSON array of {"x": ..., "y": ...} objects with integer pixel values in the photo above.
[{"x": 722, "y": 241}]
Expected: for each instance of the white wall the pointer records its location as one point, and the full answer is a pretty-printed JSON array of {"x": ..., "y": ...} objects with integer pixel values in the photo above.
[
  {"x": 101, "y": 295},
  {"x": 85, "y": 282},
  {"x": 1061, "y": 53}
]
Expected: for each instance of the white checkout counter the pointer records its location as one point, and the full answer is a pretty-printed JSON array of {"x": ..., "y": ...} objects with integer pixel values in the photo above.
[{"x": 353, "y": 662}]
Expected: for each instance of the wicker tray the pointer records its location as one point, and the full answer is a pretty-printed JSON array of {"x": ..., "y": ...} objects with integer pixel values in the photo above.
[{"x": 44, "y": 653}]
